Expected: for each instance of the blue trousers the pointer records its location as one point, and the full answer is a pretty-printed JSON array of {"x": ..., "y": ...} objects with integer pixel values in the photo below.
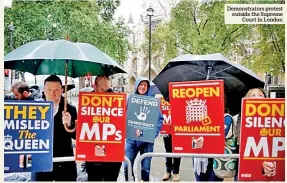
[{"x": 131, "y": 150}]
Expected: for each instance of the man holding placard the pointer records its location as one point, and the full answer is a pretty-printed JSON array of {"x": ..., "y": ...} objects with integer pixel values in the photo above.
[
  {"x": 101, "y": 131},
  {"x": 144, "y": 122},
  {"x": 28, "y": 136},
  {"x": 62, "y": 140}
]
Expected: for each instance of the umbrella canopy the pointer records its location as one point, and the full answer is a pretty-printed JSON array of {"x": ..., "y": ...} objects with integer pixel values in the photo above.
[
  {"x": 61, "y": 57},
  {"x": 154, "y": 89},
  {"x": 45, "y": 57},
  {"x": 237, "y": 79}
]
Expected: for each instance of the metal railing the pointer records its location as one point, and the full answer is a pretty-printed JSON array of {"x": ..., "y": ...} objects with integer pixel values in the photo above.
[
  {"x": 177, "y": 155},
  {"x": 72, "y": 158}
]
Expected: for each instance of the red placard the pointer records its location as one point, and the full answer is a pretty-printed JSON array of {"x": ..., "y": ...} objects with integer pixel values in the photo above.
[
  {"x": 101, "y": 127},
  {"x": 165, "y": 110},
  {"x": 262, "y": 139},
  {"x": 197, "y": 112}
]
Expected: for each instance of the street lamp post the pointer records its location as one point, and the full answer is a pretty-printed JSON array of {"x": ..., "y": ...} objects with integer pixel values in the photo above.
[
  {"x": 150, "y": 14},
  {"x": 11, "y": 29}
]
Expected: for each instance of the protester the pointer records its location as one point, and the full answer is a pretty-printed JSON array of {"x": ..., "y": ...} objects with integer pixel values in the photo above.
[
  {"x": 62, "y": 147},
  {"x": 103, "y": 171},
  {"x": 203, "y": 167},
  {"x": 172, "y": 164},
  {"x": 21, "y": 91},
  {"x": 228, "y": 122},
  {"x": 252, "y": 93},
  {"x": 132, "y": 148}
]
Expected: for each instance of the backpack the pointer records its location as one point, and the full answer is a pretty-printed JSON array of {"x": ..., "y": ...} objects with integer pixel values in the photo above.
[{"x": 226, "y": 167}]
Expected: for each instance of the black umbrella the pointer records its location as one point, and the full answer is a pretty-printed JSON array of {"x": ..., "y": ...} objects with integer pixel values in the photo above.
[{"x": 237, "y": 79}]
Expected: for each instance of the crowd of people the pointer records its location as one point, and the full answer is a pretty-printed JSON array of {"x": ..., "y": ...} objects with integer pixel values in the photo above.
[{"x": 109, "y": 171}]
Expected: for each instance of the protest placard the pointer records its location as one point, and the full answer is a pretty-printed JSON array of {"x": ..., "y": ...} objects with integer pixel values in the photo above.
[
  {"x": 197, "y": 115},
  {"x": 28, "y": 136},
  {"x": 142, "y": 117},
  {"x": 262, "y": 140},
  {"x": 165, "y": 110},
  {"x": 101, "y": 127}
]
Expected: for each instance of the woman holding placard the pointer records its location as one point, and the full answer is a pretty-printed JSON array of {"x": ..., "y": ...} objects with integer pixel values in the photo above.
[{"x": 268, "y": 168}]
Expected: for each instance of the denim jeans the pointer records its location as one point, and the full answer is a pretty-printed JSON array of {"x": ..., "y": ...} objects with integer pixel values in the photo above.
[{"x": 131, "y": 150}]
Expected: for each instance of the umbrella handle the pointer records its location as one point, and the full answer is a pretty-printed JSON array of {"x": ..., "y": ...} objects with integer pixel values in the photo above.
[
  {"x": 68, "y": 129},
  {"x": 66, "y": 95}
]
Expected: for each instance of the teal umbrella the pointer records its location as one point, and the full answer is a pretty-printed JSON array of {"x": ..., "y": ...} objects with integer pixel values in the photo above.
[
  {"x": 61, "y": 57},
  {"x": 46, "y": 57}
]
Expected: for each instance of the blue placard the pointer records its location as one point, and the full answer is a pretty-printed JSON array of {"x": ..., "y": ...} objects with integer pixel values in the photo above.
[
  {"x": 142, "y": 117},
  {"x": 28, "y": 136}
]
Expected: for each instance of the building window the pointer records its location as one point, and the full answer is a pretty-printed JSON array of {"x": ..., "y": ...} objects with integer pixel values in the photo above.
[{"x": 134, "y": 65}]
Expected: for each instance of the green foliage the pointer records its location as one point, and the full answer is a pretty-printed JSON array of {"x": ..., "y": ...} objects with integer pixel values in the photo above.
[
  {"x": 108, "y": 8},
  {"x": 271, "y": 50},
  {"x": 81, "y": 21},
  {"x": 197, "y": 29}
]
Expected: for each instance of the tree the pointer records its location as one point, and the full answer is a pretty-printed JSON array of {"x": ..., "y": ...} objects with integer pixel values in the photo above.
[
  {"x": 82, "y": 21},
  {"x": 108, "y": 8},
  {"x": 163, "y": 42},
  {"x": 199, "y": 28},
  {"x": 269, "y": 55}
]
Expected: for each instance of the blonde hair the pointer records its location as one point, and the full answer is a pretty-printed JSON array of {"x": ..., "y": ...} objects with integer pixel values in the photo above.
[{"x": 249, "y": 92}]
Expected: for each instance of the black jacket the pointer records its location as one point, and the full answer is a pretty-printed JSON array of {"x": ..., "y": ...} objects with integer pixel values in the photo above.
[
  {"x": 62, "y": 138},
  {"x": 109, "y": 90}
]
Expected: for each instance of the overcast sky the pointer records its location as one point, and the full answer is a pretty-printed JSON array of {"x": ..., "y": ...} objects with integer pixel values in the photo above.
[{"x": 130, "y": 6}]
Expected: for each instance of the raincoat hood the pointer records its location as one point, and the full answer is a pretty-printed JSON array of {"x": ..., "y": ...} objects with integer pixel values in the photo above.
[
  {"x": 137, "y": 83},
  {"x": 148, "y": 93}
]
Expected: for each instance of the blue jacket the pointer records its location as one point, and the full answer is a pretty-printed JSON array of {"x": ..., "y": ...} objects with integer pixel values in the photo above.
[
  {"x": 149, "y": 93},
  {"x": 227, "y": 123}
]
